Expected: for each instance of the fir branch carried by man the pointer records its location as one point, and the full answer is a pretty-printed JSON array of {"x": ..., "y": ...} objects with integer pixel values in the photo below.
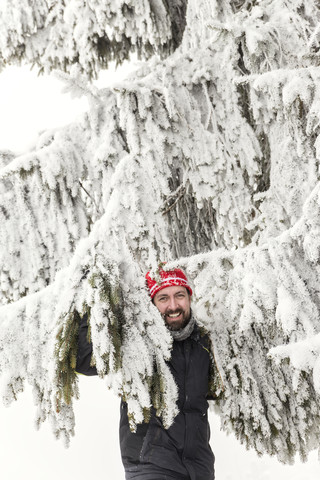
[{"x": 181, "y": 452}]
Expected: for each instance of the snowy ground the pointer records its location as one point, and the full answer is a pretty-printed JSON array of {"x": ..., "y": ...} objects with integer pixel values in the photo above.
[
  {"x": 94, "y": 451},
  {"x": 29, "y": 104}
]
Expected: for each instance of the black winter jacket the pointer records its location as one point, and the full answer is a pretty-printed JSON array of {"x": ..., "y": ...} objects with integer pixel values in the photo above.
[{"x": 184, "y": 447}]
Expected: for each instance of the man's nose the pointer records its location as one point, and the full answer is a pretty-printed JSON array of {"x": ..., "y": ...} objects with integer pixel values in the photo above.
[{"x": 173, "y": 303}]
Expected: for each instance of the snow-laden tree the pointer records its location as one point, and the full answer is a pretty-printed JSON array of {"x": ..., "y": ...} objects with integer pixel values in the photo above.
[
  {"x": 88, "y": 33},
  {"x": 207, "y": 157}
]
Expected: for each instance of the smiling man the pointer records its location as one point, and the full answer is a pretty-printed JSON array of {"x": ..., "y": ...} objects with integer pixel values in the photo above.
[{"x": 181, "y": 452}]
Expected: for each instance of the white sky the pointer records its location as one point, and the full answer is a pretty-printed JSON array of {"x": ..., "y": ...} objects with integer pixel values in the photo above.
[{"x": 28, "y": 105}]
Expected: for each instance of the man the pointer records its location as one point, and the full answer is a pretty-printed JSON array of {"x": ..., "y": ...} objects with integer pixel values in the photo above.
[{"x": 182, "y": 452}]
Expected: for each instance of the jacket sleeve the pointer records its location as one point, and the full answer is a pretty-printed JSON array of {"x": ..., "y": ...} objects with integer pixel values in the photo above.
[{"x": 84, "y": 350}]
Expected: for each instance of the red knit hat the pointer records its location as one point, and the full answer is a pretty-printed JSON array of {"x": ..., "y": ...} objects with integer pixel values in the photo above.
[{"x": 165, "y": 279}]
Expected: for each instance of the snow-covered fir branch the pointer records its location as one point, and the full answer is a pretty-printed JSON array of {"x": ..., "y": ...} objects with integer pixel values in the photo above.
[
  {"x": 261, "y": 303},
  {"x": 88, "y": 34}
]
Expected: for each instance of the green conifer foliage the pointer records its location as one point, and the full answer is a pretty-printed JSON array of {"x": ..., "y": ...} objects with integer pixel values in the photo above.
[
  {"x": 111, "y": 299},
  {"x": 66, "y": 351}
]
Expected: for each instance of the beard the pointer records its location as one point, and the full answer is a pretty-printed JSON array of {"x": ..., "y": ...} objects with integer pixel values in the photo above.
[{"x": 179, "y": 323}]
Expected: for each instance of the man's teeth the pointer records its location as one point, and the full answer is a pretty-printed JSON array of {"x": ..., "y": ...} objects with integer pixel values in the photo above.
[{"x": 174, "y": 315}]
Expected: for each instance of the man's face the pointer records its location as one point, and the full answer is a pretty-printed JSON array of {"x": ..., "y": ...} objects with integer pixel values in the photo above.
[{"x": 174, "y": 305}]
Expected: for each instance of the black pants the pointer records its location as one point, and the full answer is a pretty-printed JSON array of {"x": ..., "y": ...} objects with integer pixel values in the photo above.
[
  {"x": 155, "y": 476},
  {"x": 148, "y": 472}
]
